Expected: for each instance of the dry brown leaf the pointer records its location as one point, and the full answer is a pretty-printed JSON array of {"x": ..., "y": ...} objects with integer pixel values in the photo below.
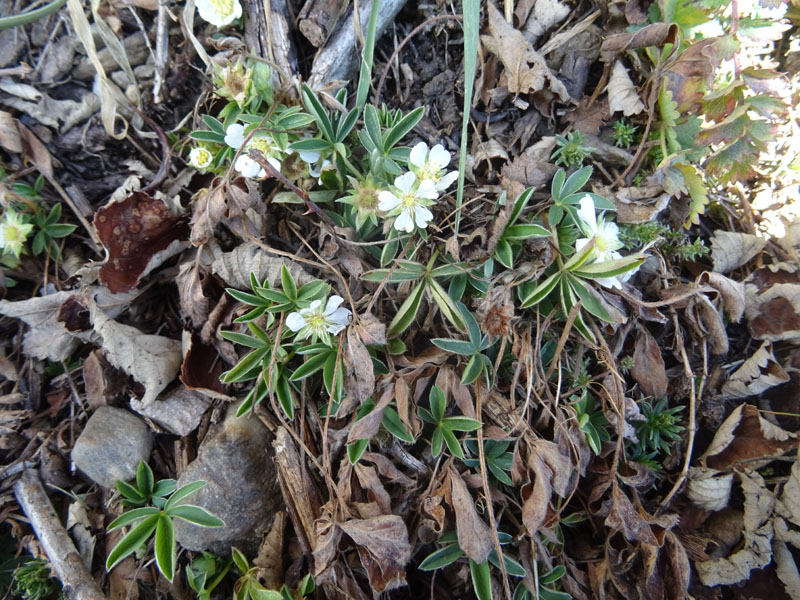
[
  {"x": 47, "y": 338},
  {"x": 201, "y": 368},
  {"x": 371, "y": 331},
  {"x": 194, "y": 303},
  {"x": 758, "y": 373},
  {"x": 708, "y": 488},
  {"x": 207, "y": 211},
  {"x": 622, "y": 93},
  {"x": 152, "y": 360},
  {"x": 270, "y": 554},
  {"x": 745, "y": 435},
  {"x": 17, "y": 138},
  {"x": 772, "y": 302},
  {"x": 692, "y": 72},
  {"x": 371, "y": 483},
  {"x": 707, "y": 323},
  {"x": 635, "y": 525},
  {"x": 652, "y": 35},
  {"x": 474, "y": 535},
  {"x": 552, "y": 473},
  {"x": 383, "y": 547},
  {"x": 524, "y": 172},
  {"x": 359, "y": 379},
  {"x": 648, "y": 365},
  {"x": 790, "y": 498},
  {"x": 731, "y": 249},
  {"x": 589, "y": 118},
  {"x": 234, "y": 267},
  {"x": 546, "y": 14},
  {"x": 525, "y": 69},
  {"x": 732, "y": 293},
  {"x": 756, "y": 553},
  {"x": 368, "y": 425}
]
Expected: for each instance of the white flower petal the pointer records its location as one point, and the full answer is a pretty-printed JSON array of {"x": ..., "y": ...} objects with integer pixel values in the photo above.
[
  {"x": 427, "y": 189},
  {"x": 334, "y": 302},
  {"x": 446, "y": 181},
  {"x": 422, "y": 216},
  {"x": 234, "y": 135},
  {"x": 387, "y": 201},
  {"x": 248, "y": 167},
  {"x": 274, "y": 162},
  {"x": 439, "y": 157},
  {"x": 313, "y": 307},
  {"x": 418, "y": 154},
  {"x": 338, "y": 320},
  {"x": 404, "y": 222},
  {"x": 308, "y": 156},
  {"x": 609, "y": 282},
  {"x": 587, "y": 215},
  {"x": 295, "y": 321},
  {"x": 405, "y": 182}
]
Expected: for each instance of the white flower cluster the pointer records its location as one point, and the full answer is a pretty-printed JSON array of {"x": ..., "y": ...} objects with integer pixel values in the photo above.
[
  {"x": 606, "y": 241},
  {"x": 247, "y": 167},
  {"x": 415, "y": 191}
]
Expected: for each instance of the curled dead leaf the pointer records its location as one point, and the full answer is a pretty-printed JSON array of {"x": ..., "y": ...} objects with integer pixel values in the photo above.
[
  {"x": 648, "y": 365},
  {"x": 234, "y": 267},
  {"x": 758, "y": 373},
  {"x": 772, "y": 302},
  {"x": 731, "y": 292},
  {"x": 383, "y": 548},
  {"x": 731, "y": 249},
  {"x": 708, "y": 488},
  {"x": 474, "y": 535},
  {"x": 623, "y": 96}
]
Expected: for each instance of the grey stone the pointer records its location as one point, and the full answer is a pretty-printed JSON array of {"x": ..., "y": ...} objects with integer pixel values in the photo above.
[
  {"x": 241, "y": 487},
  {"x": 111, "y": 446},
  {"x": 178, "y": 412}
]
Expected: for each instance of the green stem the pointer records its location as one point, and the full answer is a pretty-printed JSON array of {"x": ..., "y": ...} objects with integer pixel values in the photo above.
[{"x": 30, "y": 17}]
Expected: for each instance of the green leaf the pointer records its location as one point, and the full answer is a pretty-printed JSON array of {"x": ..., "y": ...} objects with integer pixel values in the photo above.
[
  {"x": 541, "y": 291},
  {"x": 214, "y": 124},
  {"x": 239, "y": 560},
  {"x": 314, "y": 107},
  {"x": 208, "y": 136},
  {"x": 60, "y": 230},
  {"x": 399, "y": 131},
  {"x": 446, "y": 304},
  {"x": 346, "y": 126},
  {"x": 183, "y": 493},
  {"x": 132, "y": 516},
  {"x": 504, "y": 253},
  {"x": 311, "y": 145},
  {"x": 242, "y": 339},
  {"x": 310, "y": 366},
  {"x": 461, "y": 424},
  {"x": 438, "y": 403},
  {"x": 283, "y": 390},
  {"x": 609, "y": 268},
  {"x": 471, "y": 13},
  {"x": 473, "y": 370},
  {"x": 373, "y": 126},
  {"x": 576, "y": 181},
  {"x": 452, "y": 442},
  {"x": 590, "y": 302},
  {"x": 513, "y": 568},
  {"x": 557, "y": 184},
  {"x": 243, "y": 370},
  {"x": 393, "y": 424},
  {"x": 356, "y": 450},
  {"x": 462, "y": 347},
  {"x": 165, "y": 547},
  {"x": 130, "y": 492},
  {"x": 246, "y": 298},
  {"x": 436, "y": 442},
  {"x": 553, "y": 576},
  {"x": 407, "y": 311},
  {"x": 519, "y": 205},
  {"x": 288, "y": 284},
  {"x": 441, "y": 558},
  {"x": 132, "y": 541},
  {"x": 313, "y": 290},
  {"x": 524, "y": 232},
  {"x": 196, "y": 515},
  {"x": 481, "y": 579},
  {"x": 145, "y": 479},
  {"x": 164, "y": 487}
]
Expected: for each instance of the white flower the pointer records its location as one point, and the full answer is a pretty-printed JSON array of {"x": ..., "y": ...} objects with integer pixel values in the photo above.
[
  {"x": 14, "y": 232},
  {"x": 430, "y": 165},
  {"x": 318, "y": 322},
  {"x": 219, "y": 12},
  {"x": 234, "y": 136},
  {"x": 606, "y": 240},
  {"x": 410, "y": 206},
  {"x": 249, "y": 168},
  {"x": 200, "y": 158}
]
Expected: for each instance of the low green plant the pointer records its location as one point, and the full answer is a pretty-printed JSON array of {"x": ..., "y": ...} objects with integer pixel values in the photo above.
[
  {"x": 445, "y": 427},
  {"x": 673, "y": 244},
  {"x": 546, "y": 582},
  {"x": 623, "y": 133},
  {"x": 248, "y": 586},
  {"x": 497, "y": 456},
  {"x": 514, "y": 233},
  {"x": 158, "y": 518},
  {"x": 591, "y": 420},
  {"x": 660, "y": 426},
  {"x": 570, "y": 151},
  {"x": 34, "y": 581},
  {"x": 474, "y": 347},
  {"x": 205, "y": 573}
]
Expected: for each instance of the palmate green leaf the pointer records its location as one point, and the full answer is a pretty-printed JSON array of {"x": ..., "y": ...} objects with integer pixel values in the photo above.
[
  {"x": 183, "y": 493},
  {"x": 462, "y": 347},
  {"x": 196, "y": 515},
  {"x": 576, "y": 181},
  {"x": 132, "y": 516},
  {"x": 441, "y": 558},
  {"x": 165, "y": 547},
  {"x": 407, "y": 311},
  {"x": 481, "y": 579},
  {"x": 132, "y": 541},
  {"x": 541, "y": 291}
]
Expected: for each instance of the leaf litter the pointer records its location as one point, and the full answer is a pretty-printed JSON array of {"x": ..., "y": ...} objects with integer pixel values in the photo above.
[{"x": 622, "y": 430}]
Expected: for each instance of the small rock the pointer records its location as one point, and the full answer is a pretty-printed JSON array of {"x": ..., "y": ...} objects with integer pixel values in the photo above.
[
  {"x": 111, "y": 446},
  {"x": 178, "y": 412},
  {"x": 241, "y": 487}
]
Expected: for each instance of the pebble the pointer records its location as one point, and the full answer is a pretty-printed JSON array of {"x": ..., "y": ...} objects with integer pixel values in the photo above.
[{"x": 111, "y": 446}]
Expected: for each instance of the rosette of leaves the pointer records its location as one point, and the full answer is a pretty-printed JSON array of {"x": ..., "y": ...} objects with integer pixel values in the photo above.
[
  {"x": 514, "y": 233},
  {"x": 205, "y": 573},
  {"x": 474, "y": 347},
  {"x": 158, "y": 519},
  {"x": 445, "y": 427},
  {"x": 591, "y": 421},
  {"x": 382, "y": 131}
]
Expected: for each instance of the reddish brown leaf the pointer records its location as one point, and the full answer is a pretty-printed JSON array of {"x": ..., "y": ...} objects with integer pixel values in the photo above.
[
  {"x": 651, "y": 35},
  {"x": 692, "y": 73},
  {"x": 588, "y": 118},
  {"x": 367, "y": 426},
  {"x": 201, "y": 368},
  {"x": 136, "y": 232},
  {"x": 648, "y": 365}
]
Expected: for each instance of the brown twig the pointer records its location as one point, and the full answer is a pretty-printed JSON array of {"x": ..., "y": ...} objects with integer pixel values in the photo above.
[{"x": 77, "y": 581}]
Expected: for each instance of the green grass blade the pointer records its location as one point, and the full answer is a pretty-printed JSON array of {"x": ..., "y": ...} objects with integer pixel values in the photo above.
[
  {"x": 365, "y": 76},
  {"x": 472, "y": 19}
]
